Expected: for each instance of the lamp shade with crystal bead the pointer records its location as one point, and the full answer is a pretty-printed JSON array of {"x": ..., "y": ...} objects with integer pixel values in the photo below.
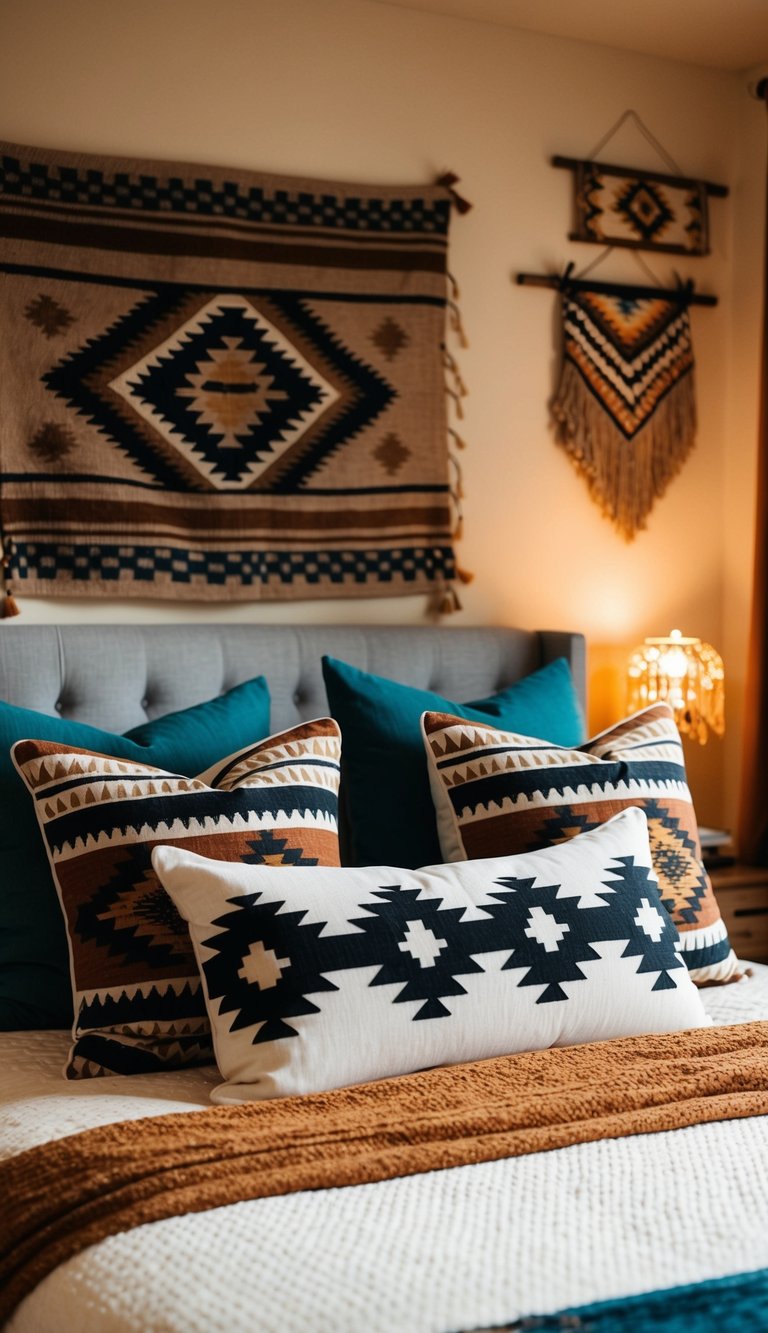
[{"x": 687, "y": 674}]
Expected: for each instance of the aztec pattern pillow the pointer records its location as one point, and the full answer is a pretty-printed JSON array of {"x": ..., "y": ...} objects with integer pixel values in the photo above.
[
  {"x": 385, "y": 787},
  {"x": 321, "y": 978},
  {"x": 34, "y": 971},
  {"x": 497, "y": 793},
  {"x": 137, "y": 997}
]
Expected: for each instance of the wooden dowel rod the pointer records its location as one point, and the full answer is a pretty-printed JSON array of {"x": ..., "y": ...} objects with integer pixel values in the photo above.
[
  {"x": 681, "y": 294},
  {"x": 610, "y": 169}
]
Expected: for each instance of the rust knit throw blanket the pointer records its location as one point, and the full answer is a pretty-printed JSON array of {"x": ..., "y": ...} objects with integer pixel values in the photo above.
[
  {"x": 61, "y": 1197},
  {"x": 220, "y": 384}
]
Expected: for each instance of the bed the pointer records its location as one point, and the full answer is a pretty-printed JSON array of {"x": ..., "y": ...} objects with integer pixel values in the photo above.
[{"x": 607, "y": 1231}]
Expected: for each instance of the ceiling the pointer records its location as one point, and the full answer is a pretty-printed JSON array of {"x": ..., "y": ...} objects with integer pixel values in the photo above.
[{"x": 725, "y": 34}]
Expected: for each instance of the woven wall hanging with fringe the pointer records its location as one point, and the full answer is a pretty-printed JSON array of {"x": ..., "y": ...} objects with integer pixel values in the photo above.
[{"x": 625, "y": 409}]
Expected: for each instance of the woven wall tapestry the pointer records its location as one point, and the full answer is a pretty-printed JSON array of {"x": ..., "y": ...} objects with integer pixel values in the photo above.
[
  {"x": 643, "y": 210},
  {"x": 220, "y": 385},
  {"x": 625, "y": 408}
]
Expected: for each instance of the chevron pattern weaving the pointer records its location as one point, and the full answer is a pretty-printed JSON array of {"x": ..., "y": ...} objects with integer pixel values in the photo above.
[{"x": 625, "y": 409}]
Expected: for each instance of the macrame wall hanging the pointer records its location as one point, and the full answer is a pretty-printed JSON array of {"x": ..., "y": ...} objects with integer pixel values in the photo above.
[{"x": 625, "y": 408}]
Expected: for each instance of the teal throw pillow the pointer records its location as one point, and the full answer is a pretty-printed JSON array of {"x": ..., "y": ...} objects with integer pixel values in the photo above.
[
  {"x": 35, "y": 990},
  {"x": 385, "y": 784}
]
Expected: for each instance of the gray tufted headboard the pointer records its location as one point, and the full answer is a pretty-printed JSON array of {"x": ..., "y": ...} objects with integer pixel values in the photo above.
[{"x": 117, "y": 676}]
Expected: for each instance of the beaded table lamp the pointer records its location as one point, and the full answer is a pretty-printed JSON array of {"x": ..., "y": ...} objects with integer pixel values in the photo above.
[{"x": 687, "y": 674}]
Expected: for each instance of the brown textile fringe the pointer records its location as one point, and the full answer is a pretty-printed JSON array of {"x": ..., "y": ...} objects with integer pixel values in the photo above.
[
  {"x": 457, "y": 325},
  {"x": 63, "y": 1196},
  {"x": 449, "y": 602},
  {"x": 9, "y": 606},
  {"x": 625, "y": 477}
]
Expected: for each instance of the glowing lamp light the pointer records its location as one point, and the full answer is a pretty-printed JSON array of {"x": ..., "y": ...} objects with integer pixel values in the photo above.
[{"x": 685, "y": 673}]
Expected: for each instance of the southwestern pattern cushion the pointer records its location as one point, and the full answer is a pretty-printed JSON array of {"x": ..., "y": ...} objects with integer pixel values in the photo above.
[
  {"x": 321, "y": 978},
  {"x": 385, "y": 789},
  {"x": 497, "y": 793},
  {"x": 137, "y": 998},
  {"x": 35, "y": 990}
]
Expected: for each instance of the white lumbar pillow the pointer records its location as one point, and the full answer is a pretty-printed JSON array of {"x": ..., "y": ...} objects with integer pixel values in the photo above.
[{"x": 318, "y": 977}]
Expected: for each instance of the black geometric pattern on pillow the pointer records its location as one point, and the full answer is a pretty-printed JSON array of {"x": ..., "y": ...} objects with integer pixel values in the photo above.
[
  {"x": 268, "y": 850},
  {"x": 268, "y": 962},
  {"x": 132, "y": 915}
]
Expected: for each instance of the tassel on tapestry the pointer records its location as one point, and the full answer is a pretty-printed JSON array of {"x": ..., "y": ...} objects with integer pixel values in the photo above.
[
  {"x": 9, "y": 607},
  {"x": 625, "y": 408},
  {"x": 222, "y": 385}
]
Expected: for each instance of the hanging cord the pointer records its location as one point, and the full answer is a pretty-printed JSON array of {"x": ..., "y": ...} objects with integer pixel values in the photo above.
[
  {"x": 579, "y": 277},
  {"x": 646, "y": 268},
  {"x": 648, "y": 271},
  {"x": 629, "y": 114}
]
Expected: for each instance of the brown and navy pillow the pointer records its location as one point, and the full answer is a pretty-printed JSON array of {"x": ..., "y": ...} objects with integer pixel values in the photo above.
[
  {"x": 137, "y": 996},
  {"x": 497, "y": 793}
]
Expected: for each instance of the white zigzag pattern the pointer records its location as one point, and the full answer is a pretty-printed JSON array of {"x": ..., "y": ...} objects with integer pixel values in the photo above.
[
  {"x": 178, "y": 828},
  {"x": 573, "y": 795}
]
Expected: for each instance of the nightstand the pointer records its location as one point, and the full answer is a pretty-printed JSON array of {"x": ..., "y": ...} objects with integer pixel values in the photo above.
[{"x": 742, "y": 894}]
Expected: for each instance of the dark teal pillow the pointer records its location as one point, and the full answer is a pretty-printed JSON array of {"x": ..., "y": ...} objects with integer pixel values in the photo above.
[
  {"x": 35, "y": 989},
  {"x": 385, "y": 784}
]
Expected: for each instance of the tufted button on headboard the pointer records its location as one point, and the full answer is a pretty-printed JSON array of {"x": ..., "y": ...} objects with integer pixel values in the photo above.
[{"x": 117, "y": 676}]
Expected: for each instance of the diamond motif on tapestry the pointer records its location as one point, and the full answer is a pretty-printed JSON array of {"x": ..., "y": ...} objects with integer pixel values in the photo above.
[
  {"x": 643, "y": 206},
  {"x": 228, "y": 390},
  {"x": 52, "y": 442},
  {"x": 392, "y": 453},
  {"x": 218, "y": 394},
  {"x": 48, "y": 316},
  {"x": 390, "y": 338}
]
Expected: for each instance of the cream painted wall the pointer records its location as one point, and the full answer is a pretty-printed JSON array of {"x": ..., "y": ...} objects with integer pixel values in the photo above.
[{"x": 359, "y": 90}]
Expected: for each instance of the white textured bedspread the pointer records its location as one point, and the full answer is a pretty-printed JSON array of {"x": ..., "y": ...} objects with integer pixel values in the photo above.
[{"x": 456, "y": 1249}]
